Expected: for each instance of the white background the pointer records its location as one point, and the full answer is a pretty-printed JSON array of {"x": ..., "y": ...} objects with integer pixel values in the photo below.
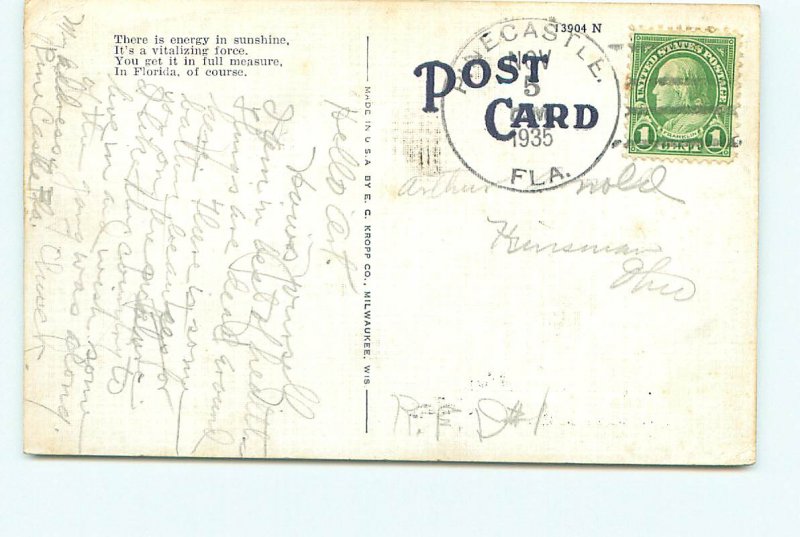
[{"x": 114, "y": 497}]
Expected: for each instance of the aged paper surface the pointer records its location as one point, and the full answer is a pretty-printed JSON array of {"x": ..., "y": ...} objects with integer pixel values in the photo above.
[{"x": 391, "y": 230}]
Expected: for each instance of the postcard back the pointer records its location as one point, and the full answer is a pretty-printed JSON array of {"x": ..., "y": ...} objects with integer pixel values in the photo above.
[{"x": 462, "y": 231}]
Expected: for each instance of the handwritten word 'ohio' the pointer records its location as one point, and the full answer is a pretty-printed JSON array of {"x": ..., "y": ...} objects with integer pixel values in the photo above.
[{"x": 555, "y": 114}]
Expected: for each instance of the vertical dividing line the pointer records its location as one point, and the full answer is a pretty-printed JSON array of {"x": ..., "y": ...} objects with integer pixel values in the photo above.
[{"x": 367, "y": 58}]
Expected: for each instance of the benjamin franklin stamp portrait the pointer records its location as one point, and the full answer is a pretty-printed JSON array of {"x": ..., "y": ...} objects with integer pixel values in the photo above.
[{"x": 682, "y": 95}]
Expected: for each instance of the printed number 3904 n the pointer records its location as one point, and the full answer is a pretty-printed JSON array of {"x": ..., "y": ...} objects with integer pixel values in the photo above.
[{"x": 533, "y": 138}]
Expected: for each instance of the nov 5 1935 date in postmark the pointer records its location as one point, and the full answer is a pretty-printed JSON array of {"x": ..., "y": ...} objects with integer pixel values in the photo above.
[
  {"x": 525, "y": 106},
  {"x": 682, "y": 95}
]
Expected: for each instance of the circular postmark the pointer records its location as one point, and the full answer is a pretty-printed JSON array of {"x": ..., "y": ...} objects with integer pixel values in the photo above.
[{"x": 546, "y": 126}]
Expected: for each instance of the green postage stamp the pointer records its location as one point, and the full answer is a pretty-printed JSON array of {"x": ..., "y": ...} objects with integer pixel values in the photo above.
[{"x": 682, "y": 95}]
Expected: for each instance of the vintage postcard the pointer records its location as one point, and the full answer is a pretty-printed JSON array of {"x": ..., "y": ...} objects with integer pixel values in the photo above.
[{"x": 439, "y": 231}]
